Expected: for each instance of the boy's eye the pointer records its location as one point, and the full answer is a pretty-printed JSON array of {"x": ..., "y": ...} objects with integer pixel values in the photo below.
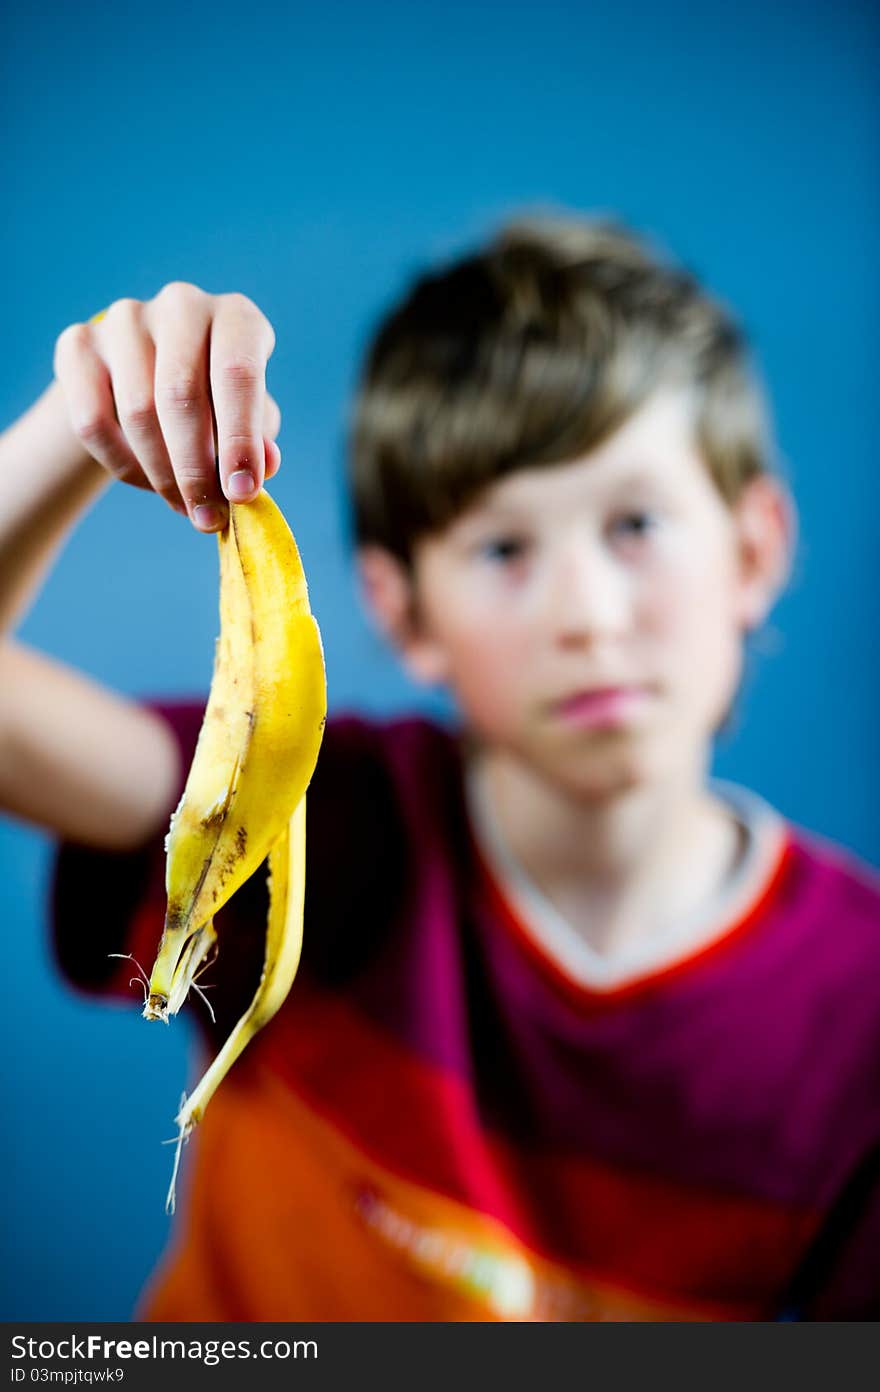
[
  {"x": 634, "y": 524},
  {"x": 503, "y": 549}
]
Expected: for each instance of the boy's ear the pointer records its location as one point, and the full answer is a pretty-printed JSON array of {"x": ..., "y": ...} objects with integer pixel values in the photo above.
[
  {"x": 766, "y": 524},
  {"x": 389, "y": 594}
]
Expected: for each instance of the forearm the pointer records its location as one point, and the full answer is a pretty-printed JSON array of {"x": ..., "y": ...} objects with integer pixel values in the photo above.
[
  {"x": 47, "y": 481},
  {"x": 78, "y": 759}
]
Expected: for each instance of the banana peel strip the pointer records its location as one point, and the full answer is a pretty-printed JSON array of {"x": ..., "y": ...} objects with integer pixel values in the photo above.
[{"x": 287, "y": 879}]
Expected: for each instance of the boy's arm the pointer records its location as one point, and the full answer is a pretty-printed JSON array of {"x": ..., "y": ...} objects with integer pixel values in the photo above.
[
  {"x": 74, "y": 757},
  {"x": 79, "y": 759},
  {"x": 47, "y": 481}
]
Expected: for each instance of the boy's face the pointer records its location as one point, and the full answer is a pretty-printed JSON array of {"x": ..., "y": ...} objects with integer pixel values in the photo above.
[{"x": 589, "y": 617}]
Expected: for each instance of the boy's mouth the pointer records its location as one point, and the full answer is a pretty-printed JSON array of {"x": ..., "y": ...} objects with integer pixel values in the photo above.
[{"x": 601, "y": 706}]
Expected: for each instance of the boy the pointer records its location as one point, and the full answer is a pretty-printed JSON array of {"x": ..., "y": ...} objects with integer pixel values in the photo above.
[{"x": 577, "y": 1035}]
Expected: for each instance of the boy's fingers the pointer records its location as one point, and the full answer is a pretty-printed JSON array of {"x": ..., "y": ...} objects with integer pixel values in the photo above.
[
  {"x": 271, "y": 417},
  {"x": 181, "y": 333},
  {"x": 273, "y": 457},
  {"x": 130, "y": 355},
  {"x": 241, "y": 342},
  {"x": 88, "y": 394}
]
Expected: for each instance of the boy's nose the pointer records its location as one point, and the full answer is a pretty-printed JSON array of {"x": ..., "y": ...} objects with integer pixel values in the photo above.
[{"x": 590, "y": 597}]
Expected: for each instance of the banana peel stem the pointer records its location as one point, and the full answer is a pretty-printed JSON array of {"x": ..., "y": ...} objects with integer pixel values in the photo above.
[{"x": 166, "y": 999}]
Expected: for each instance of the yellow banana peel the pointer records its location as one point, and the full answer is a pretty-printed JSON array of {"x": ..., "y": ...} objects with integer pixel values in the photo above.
[{"x": 244, "y": 798}]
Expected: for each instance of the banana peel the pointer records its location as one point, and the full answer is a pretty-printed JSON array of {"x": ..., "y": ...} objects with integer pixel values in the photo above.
[{"x": 244, "y": 799}]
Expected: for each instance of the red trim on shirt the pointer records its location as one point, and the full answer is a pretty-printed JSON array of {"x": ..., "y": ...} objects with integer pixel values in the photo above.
[{"x": 594, "y": 997}]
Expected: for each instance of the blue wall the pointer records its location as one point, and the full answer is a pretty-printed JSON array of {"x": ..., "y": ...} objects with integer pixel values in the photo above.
[{"x": 313, "y": 157}]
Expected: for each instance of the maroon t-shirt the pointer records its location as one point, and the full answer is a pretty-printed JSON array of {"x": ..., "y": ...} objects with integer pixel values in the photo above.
[{"x": 483, "y": 1136}]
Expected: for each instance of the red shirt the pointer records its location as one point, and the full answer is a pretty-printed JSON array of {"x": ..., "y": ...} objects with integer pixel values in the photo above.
[{"x": 440, "y": 1124}]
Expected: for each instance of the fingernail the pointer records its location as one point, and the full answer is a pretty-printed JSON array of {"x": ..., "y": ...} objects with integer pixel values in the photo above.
[
  {"x": 241, "y": 485},
  {"x": 206, "y": 517}
]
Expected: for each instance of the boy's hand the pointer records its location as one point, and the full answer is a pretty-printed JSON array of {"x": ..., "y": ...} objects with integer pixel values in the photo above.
[{"x": 157, "y": 390}]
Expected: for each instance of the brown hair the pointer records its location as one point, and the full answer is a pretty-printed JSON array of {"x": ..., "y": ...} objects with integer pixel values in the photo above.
[{"x": 532, "y": 351}]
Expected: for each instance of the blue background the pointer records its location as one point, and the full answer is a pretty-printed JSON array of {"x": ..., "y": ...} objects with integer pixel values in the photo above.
[{"x": 314, "y": 157}]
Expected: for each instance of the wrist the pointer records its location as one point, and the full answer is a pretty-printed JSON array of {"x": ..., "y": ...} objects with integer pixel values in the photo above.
[
  {"x": 42, "y": 461},
  {"x": 48, "y": 418}
]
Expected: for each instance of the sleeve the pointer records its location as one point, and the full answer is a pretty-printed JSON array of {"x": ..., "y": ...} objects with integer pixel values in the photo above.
[
  {"x": 103, "y": 901},
  {"x": 838, "y": 1277},
  {"x": 106, "y": 901}
]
